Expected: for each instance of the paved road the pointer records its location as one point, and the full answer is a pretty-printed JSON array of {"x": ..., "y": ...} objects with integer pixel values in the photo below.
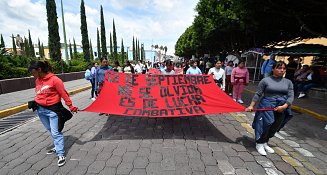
[{"x": 212, "y": 144}]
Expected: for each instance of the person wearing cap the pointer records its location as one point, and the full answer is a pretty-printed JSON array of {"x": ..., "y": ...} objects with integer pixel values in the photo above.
[{"x": 49, "y": 92}]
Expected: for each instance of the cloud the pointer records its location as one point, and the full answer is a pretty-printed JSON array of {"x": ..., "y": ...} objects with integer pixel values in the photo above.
[{"x": 151, "y": 21}]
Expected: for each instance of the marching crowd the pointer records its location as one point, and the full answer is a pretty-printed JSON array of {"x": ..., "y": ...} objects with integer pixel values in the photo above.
[{"x": 274, "y": 95}]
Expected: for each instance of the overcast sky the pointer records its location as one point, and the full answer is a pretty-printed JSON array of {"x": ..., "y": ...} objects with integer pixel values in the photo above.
[{"x": 152, "y": 21}]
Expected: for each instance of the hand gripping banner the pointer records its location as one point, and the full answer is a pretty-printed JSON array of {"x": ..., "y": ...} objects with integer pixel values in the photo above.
[{"x": 162, "y": 96}]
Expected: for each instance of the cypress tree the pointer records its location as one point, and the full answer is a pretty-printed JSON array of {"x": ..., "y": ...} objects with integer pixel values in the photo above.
[
  {"x": 91, "y": 51},
  {"x": 39, "y": 45},
  {"x": 114, "y": 40},
  {"x": 53, "y": 29},
  {"x": 111, "y": 44},
  {"x": 70, "y": 50},
  {"x": 134, "y": 55},
  {"x": 122, "y": 50},
  {"x": 85, "y": 36},
  {"x": 42, "y": 47},
  {"x": 14, "y": 49},
  {"x": 2, "y": 43},
  {"x": 103, "y": 34},
  {"x": 75, "y": 49},
  {"x": 142, "y": 53},
  {"x": 98, "y": 44},
  {"x": 31, "y": 46}
]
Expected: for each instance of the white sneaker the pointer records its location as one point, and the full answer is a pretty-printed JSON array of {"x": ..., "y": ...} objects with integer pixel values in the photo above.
[
  {"x": 230, "y": 94},
  {"x": 93, "y": 99},
  {"x": 234, "y": 99},
  {"x": 260, "y": 148},
  {"x": 240, "y": 101},
  {"x": 301, "y": 95},
  {"x": 268, "y": 148},
  {"x": 326, "y": 127}
]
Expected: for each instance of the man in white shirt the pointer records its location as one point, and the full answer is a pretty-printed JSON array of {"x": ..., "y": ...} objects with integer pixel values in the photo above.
[
  {"x": 138, "y": 68},
  {"x": 218, "y": 75}
]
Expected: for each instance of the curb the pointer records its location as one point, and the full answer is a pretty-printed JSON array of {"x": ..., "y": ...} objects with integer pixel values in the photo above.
[
  {"x": 23, "y": 107},
  {"x": 303, "y": 110}
]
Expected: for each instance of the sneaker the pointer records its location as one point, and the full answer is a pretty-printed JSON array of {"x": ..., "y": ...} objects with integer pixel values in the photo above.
[
  {"x": 268, "y": 148},
  {"x": 51, "y": 151},
  {"x": 61, "y": 161},
  {"x": 301, "y": 95},
  {"x": 240, "y": 101},
  {"x": 93, "y": 99},
  {"x": 260, "y": 148},
  {"x": 230, "y": 94},
  {"x": 234, "y": 99}
]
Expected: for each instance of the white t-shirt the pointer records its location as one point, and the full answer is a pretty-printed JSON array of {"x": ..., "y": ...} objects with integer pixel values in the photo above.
[
  {"x": 138, "y": 69},
  {"x": 217, "y": 74},
  {"x": 164, "y": 72}
]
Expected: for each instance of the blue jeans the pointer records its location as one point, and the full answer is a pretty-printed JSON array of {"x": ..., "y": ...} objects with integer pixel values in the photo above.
[
  {"x": 50, "y": 122},
  {"x": 303, "y": 87}
]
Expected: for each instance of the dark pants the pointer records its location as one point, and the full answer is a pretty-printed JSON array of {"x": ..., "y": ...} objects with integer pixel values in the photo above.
[
  {"x": 228, "y": 84},
  {"x": 272, "y": 129},
  {"x": 93, "y": 88}
]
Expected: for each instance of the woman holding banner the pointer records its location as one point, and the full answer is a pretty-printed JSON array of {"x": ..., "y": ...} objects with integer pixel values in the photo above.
[
  {"x": 274, "y": 107},
  {"x": 101, "y": 73},
  {"x": 49, "y": 92}
]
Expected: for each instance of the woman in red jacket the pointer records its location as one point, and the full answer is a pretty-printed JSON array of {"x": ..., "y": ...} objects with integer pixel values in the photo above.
[{"x": 49, "y": 91}]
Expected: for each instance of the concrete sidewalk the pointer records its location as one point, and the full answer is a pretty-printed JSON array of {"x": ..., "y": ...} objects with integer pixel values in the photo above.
[
  {"x": 212, "y": 144},
  {"x": 14, "y": 102}
]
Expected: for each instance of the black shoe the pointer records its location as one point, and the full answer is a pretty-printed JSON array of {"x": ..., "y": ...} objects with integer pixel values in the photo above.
[
  {"x": 61, "y": 161},
  {"x": 101, "y": 114},
  {"x": 51, "y": 151}
]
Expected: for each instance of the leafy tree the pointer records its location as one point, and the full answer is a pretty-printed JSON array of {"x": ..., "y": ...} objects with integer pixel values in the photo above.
[
  {"x": 98, "y": 44},
  {"x": 13, "y": 45},
  {"x": 114, "y": 40},
  {"x": 103, "y": 35},
  {"x": 31, "y": 46},
  {"x": 84, "y": 32},
  {"x": 53, "y": 29},
  {"x": 91, "y": 51},
  {"x": 70, "y": 50}
]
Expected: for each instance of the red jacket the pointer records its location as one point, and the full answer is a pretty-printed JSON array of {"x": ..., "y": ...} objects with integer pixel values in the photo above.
[{"x": 49, "y": 90}]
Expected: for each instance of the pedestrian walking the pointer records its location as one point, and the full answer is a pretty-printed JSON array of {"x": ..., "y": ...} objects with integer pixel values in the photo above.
[
  {"x": 275, "y": 93},
  {"x": 193, "y": 69},
  {"x": 93, "y": 72},
  {"x": 239, "y": 79},
  {"x": 228, "y": 72},
  {"x": 101, "y": 73},
  {"x": 168, "y": 69},
  {"x": 218, "y": 75},
  {"x": 49, "y": 92},
  {"x": 267, "y": 66}
]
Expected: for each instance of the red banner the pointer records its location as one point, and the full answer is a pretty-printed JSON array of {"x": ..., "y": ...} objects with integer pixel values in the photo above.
[{"x": 162, "y": 96}]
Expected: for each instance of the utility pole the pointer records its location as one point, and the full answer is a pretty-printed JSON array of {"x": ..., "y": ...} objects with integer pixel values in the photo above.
[{"x": 64, "y": 30}]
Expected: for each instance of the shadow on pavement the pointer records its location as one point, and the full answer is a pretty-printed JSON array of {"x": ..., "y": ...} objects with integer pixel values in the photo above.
[{"x": 192, "y": 128}]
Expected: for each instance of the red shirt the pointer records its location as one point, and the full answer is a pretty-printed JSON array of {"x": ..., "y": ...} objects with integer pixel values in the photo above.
[{"x": 49, "y": 90}]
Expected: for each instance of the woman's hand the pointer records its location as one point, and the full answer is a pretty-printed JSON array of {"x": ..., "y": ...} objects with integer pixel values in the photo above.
[
  {"x": 73, "y": 109},
  {"x": 281, "y": 108},
  {"x": 249, "y": 109}
]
